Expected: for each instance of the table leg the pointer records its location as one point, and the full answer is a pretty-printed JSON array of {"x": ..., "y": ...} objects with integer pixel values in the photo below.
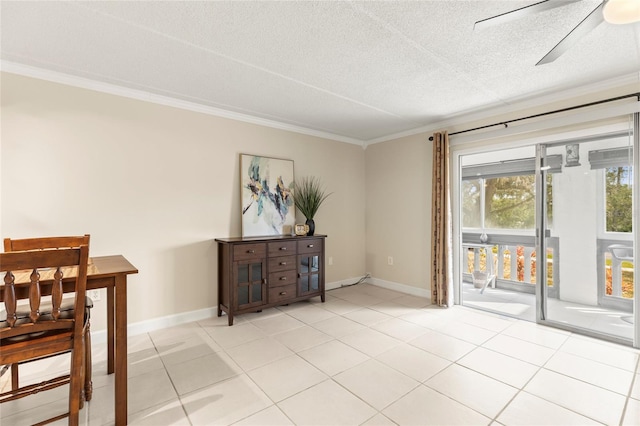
[
  {"x": 121, "y": 350},
  {"x": 110, "y": 330}
]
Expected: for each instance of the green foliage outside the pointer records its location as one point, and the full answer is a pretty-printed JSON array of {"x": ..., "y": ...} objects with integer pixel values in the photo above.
[
  {"x": 619, "y": 191},
  {"x": 509, "y": 202}
]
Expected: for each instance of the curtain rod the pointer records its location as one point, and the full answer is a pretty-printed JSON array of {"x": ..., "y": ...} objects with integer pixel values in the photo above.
[{"x": 506, "y": 123}]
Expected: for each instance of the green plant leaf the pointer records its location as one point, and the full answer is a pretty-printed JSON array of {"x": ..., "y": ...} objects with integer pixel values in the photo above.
[{"x": 308, "y": 195}]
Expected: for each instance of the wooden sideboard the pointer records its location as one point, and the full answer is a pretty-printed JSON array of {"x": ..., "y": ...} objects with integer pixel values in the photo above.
[{"x": 256, "y": 273}]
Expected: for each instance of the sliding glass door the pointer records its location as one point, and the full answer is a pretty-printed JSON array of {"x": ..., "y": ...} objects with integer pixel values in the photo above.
[
  {"x": 591, "y": 236},
  {"x": 498, "y": 231},
  {"x": 547, "y": 232}
]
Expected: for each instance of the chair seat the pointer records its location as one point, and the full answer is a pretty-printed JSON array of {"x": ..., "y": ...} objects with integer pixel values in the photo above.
[{"x": 67, "y": 311}]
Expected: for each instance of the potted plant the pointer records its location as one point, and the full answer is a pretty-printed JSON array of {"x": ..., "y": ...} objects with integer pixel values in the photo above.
[{"x": 308, "y": 195}]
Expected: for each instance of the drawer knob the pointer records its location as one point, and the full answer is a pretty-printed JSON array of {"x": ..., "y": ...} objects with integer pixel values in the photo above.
[
  {"x": 310, "y": 245},
  {"x": 283, "y": 248},
  {"x": 251, "y": 251},
  {"x": 283, "y": 263},
  {"x": 283, "y": 293},
  {"x": 283, "y": 278}
]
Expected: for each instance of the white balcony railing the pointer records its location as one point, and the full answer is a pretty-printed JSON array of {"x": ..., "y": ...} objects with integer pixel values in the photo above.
[
  {"x": 616, "y": 274},
  {"x": 514, "y": 260}
]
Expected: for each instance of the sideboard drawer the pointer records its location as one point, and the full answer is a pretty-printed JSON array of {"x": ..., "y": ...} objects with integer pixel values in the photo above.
[
  {"x": 282, "y": 263},
  {"x": 282, "y": 248},
  {"x": 310, "y": 246},
  {"x": 278, "y": 294},
  {"x": 249, "y": 251},
  {"x": 277, "y": 279}
]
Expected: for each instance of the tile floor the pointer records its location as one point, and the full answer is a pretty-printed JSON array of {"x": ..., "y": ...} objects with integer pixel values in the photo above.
[{"x": 368, "y": 356}]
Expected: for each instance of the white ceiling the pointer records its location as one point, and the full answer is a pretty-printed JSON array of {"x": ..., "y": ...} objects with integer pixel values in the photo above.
[{"x": 356, "y": 71}]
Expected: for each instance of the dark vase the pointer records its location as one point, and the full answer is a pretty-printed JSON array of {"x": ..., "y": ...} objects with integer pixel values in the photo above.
[{"x": 312, "y": 226}]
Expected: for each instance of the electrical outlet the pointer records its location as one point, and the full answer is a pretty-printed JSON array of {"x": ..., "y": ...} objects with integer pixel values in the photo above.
[
  {"x": 390, "y": 260},
  {"x": 330, "y": 260},
  {"x": 94, "y": 294}
]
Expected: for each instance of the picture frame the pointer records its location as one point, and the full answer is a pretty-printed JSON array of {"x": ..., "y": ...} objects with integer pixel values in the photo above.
[
  {"x": 301, "y": 229},
  {"x": 266, "y": 193}
]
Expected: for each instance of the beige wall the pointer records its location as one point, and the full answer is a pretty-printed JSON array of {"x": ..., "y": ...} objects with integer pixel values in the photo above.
[
  {"x": 156, "y": 184},
  {"x": 399, "y": 210}
]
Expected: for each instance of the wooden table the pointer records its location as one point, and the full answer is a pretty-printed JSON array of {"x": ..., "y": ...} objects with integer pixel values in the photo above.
[{"x": 108, "y": 272}]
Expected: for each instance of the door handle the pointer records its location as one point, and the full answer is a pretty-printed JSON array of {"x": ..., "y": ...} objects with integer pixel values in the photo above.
[
  {"x": 283, "y": 293},
  {"x": 283, "y": 248},
  {"x": 283, "y": 278}
]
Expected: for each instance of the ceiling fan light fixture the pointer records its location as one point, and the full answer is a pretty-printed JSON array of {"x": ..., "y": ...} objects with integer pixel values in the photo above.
[{"x": 622, "y": 11}]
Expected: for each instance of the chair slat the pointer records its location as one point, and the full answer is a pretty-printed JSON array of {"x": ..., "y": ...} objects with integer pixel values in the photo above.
[
  {"x": 34, "y": 296},
  {"x": 56, "y": 294},
  {"x": 10, "y": 302}
]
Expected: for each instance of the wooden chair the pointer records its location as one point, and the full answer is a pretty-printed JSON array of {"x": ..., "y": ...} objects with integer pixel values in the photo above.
[
  {"x": 38, "y": 334},
  {"x": 45, "y": 243}
]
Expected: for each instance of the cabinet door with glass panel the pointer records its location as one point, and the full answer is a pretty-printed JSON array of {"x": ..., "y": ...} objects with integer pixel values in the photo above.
[
  {"x": 250, "y": 278},
  {"x": 310, "y": 267}
]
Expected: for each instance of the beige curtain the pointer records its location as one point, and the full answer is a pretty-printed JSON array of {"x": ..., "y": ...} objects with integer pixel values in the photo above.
[{"x": 441, "y": 271}]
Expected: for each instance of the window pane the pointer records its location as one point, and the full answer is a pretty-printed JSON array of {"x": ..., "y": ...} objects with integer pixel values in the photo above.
[
  {"x": 243, "y": 273},
  {"x": 471, "y": 203},
  {"x": 256, "y": 292},
  {"x": 304, "y": 283},
  {"x": 619, "y": 189},
  {"x": 256, "y": 271},
  {"x": 243, "y": 295},
  {"x": 510, "y": 202}
]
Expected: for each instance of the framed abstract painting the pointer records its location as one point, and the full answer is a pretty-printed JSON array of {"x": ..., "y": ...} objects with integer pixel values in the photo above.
[{"x": 267, "y": 196}]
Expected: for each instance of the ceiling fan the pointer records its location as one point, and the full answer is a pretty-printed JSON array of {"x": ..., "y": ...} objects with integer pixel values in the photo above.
[{"x": 612, "y": 11}]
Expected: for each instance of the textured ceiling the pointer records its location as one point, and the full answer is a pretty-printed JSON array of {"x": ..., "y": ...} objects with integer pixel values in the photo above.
[{"x": 361, "y": 71}]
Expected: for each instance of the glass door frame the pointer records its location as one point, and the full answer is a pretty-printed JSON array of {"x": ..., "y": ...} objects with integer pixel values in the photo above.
[{"x": 541, "y": 243}]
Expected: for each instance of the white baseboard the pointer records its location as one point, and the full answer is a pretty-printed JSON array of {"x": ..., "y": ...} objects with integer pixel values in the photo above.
[
  {"x": 147, "y": 326},
  {"x": 403, "y": 288},
  {"x": 338, "y": 284},
  {"x": 158, "y": 323}
]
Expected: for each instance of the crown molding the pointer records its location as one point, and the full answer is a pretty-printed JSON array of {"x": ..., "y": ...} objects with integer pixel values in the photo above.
[
  {"x": 531, "y": 101},
  {"x": 113, "y": 89}
]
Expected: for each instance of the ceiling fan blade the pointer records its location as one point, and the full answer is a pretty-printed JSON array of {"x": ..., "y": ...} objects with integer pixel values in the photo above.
[
  {"x": 589, "y": 23},
  {"x": 521, "y": 12}
]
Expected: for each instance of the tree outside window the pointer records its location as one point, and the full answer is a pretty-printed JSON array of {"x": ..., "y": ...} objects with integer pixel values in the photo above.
[
  {"x": 509, "y": 202},
  {"x": 619, "y": 198}
]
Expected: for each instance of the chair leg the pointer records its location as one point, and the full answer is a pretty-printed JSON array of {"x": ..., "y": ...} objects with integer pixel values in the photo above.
[
  {"x": 76, "y": 382},
  {"x": 88, "y": 383},
  {"x": 14, "y": 376}
]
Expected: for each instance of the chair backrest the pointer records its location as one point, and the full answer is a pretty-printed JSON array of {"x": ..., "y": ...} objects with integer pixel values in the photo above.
[
  {"x": 45, "y": 243},
  {"x": 34, "y": 275}
]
